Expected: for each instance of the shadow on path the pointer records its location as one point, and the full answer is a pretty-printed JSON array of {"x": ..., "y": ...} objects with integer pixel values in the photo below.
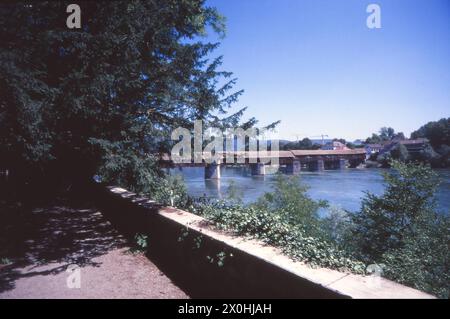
[{"x": 65, "y": 231}]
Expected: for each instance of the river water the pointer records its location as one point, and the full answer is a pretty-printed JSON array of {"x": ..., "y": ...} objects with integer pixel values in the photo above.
[{"x": 341, "y": 188}]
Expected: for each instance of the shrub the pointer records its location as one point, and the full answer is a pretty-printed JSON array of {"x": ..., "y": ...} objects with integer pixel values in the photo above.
[
  {"x": 290, "y": 201},
  {"x": 423, "y": 261},
  {"x": 285, "y": 218},
  {"x": 170, "y": 190},
  {"x": 402, "y": 230},
  {"x": 407, "y": 202}
]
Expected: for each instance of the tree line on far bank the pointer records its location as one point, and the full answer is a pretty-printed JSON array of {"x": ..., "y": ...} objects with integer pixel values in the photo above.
[{"x": 435, "y": 152}]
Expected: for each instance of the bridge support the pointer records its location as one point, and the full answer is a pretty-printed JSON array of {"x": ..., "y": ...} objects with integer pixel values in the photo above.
[
  {"x": 343, "y": 163},
  {"x": 212, "y": 171},
  {"x": 293, "y": 168},
  {"x": 258, "y": 169},
  {"x": 319, "y": 165}
]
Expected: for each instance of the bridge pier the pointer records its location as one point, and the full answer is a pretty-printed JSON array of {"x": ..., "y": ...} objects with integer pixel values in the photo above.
[
  {"x": 293, "y": 168},
  {"x": 343, "y": 163},
  {"x": 258, "y": 169},
  {"x": 212, "y": 171},
  {"x": 318, "y": 165}
]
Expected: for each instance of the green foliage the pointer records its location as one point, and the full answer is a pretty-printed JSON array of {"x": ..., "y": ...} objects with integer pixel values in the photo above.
[
  {"x": 273, "y": 229},
  {"x": 106, "y": 96},
  {"x": 5, "y": 261},
  {"x": 304, "y": 144},
  {"x": 141, "y": 243},
  {"x": 402, "y": 230},
  {"x": 350, "y": 145},
  {"x": 428, "y": 155},
  {"x": 408, "y": 199},
  {"x": 386, "y": 133},
  {"x": 399, "y": 230},
  {"x": 400, "y": 153},
  {"x": 289, "y": 199},
  {"x": 129, "y": 170},
  {"x": 219, "y": 259},
  {"x": 436, "y": 153},
  {"x": 374, "y": 139},
  {"x": 233, "y": 194},
  {"x": 444, "y": 151},
  {"x": 337, "y": 225},
  {"x": 184, "y": 232},
  {"x": 170, "y": 191},
  {"x": 423, "y": 261},
  {"x": 286, "y": 218},
  {"x": 198, "y": 242},
  {"x": 438, "y": 133}
]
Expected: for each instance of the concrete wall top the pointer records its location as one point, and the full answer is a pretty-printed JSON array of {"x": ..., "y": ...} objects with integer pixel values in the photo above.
[{"x": 345, "y": 284}]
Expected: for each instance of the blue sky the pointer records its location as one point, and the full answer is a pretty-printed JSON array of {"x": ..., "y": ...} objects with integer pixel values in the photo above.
[{"x": 314, "y": 64}]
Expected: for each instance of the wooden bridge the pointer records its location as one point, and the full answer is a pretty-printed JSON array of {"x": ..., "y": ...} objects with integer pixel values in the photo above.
[{"x": 289, "y": 162}]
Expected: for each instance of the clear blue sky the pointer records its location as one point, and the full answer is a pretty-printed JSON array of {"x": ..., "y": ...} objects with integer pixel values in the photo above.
[{"x": 314, "y": 64}]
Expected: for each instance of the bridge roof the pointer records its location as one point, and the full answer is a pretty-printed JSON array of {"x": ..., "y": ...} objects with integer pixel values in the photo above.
[
  {"x": 356, "y": 151},
  {"x": 262, "y": 154},
  {"x": 240, "y": 154},
  {"x": 279, "y": 154}
]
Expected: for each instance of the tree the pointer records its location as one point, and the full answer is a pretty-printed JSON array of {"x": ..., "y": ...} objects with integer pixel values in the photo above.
[
  {"x": 289, "y": 198},
  {"x": 387, "y": 133},
  {"x": 350, "y": 145},
  {"x": 374, "y": 139},
  {"x": 438, "y": 133},
  {"x": 407, "y": 201},
  {"x": 444, "y": 151},
  {"x": 399, "y": 152},
  {"x": 399, "y": 136},
  {"x": 105, "y": 97},
  {"x": 428, "y": 155},
  {"x": 402, "y": 230},
  {"x": 423, "y": 262},
  {"x": 304, "y": 144}
]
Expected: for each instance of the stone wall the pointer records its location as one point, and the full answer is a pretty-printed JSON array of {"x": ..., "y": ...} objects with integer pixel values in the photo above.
[{"x": 207, "y": 263}]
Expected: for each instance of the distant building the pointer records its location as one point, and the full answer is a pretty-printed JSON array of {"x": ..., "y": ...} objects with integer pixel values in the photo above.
[
  {"x": 416, "y": 145},
  {"x": 334, "y": 145},
  {"x": 358, "y": 142},
  {"x": 413, "y": 146},
  {"x": 372, "y": 149}
]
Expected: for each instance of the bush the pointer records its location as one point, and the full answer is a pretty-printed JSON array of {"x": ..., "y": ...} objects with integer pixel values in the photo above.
[
  {"x": 170, "y": 191},
  {"x": 423, "y": 261},
  {"x": 285, "y": 218},
  {"x": 407, "y": 202},
  {"x": 337, "y": 225},
  {"x": 400, "y": 152},
  {"x": 402, "y": 230},
  {"x": 289, "y": 199}
]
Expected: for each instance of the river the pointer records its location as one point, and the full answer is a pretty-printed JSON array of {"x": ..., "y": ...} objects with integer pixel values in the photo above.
[{"x": 340, "y": 188}]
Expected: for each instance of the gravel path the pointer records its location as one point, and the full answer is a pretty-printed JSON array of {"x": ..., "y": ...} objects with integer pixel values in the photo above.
[{"x": 52, "y": 240}]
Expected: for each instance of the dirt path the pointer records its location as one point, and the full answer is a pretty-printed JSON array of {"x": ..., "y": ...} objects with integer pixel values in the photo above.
[{"x": 50, "y": 240}]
